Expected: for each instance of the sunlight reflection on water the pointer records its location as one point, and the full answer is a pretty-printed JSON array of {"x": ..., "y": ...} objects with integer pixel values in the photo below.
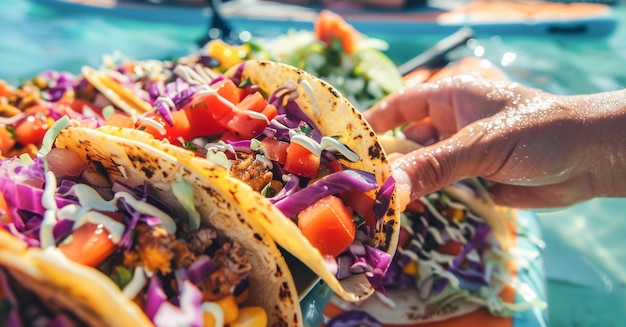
[{"x": 585, "y": 255}]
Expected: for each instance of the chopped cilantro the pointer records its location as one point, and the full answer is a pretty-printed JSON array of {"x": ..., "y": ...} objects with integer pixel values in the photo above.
[
  {"x": 245, "y": 83},
  {"x": 190, "y": 146}
]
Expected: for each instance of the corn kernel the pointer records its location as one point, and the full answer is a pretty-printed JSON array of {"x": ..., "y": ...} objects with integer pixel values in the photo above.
[
  {"x": 410, "y": 269},
  {"x": 250, "y": 317},
  {"x": 229, "y": 307},
  {"x": 226, "y": 54},
  {"x": 208, "y": 319}
]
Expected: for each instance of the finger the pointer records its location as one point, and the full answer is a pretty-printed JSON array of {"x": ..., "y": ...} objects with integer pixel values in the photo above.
[
  {"x": 536, "y": 197},
  {"x": 422, "y": 132},
  {"x": 430, "y": 168},
  {"x": 408, "y": 105}
]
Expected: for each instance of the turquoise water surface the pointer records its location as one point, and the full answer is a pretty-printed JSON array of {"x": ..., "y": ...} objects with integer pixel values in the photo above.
[{"x": 585, "y": 252}]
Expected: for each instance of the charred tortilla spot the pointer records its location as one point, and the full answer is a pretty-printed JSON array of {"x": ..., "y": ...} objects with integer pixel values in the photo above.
[
  {"x": 374, "y": 151},
  {"x": 278, "y": 272},
  {"x": 358, "y": 137},
  {"x": 148, "y": 172},
  {"x": 334, "y": 92},
  {"x": 284, "y": 293}
]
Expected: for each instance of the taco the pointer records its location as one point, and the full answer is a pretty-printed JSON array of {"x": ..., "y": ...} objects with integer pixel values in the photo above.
[
  {"x": 300, "y": 146},
  {"x": 456, "y": 263},
  {"x": 105, "y": 230}
]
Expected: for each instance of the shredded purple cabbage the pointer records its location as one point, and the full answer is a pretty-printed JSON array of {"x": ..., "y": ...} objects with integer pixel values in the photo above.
[
  {"x": 383, "y": 199},
  {"x": 328, "y": 185},
  {"x": 354, "y": 318}
]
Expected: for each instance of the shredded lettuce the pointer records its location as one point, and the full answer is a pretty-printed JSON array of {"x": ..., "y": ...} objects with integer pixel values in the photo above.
[
  {"x": 183, "y": 191},
  {"x": 51, "y": 135}
]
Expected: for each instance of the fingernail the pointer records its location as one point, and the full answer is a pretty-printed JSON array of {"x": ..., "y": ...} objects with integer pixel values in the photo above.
[{"x": 403, "y": 187}]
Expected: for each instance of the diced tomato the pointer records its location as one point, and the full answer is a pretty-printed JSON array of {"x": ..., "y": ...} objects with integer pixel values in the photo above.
[
  {"x": 334, "y": 166},
  {"x": 7, "y": 140},
  {"x": 328, "y": 225},
  {"x": 39, "y": 109},
  {"x": 225, "y": 88},
  {"x": 79, "y": 106},
  {"x": 90, "y": 244},
  {"x": 5, "y": 215},
  {"x": 404, "y": 238},
  {"x": 5, "y": 89},
  {"x": 208, "y": 114},
  {"x": 120, "y": 120},
  {"x": 32, "y": 129},
  {"x": 172, "y": 133},
  {"x": 451, "y": 248},
  {"x": 274, "y": 149},
  {"x": 301, "y": 161},
  {"x": 330, "y": 25},
  {"x": 246, "y": 125},
  {"x": 416, "y": 206},
  {"x": 202, "y": 114},
  {"x": 362, "y": 204}
]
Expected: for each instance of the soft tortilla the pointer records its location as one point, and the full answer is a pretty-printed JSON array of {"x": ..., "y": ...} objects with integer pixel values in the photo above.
[
  {"x": 81, "y": 290},
  {"x": 124, "y": 154},
  {"x": 333, "y": 115}
]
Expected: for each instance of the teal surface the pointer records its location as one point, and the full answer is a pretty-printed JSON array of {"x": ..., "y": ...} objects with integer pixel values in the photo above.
[{"x": 585, "y": 251}]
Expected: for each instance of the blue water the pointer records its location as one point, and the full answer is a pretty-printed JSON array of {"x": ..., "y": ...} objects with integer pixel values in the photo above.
[{"x": 585, "y": 254}]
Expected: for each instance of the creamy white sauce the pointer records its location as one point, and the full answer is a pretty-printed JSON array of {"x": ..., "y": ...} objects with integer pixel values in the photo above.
[
  {"x": 46, "y": 236},
  {"x": 136, "y": 284},
  {"x": 215, "y": 310},
  {"x": 454, "y": 233},
  {"x": 190, "y": 76},
  {"x": 325, "y": 143},
  {"x": 89, "y": 199},
  {"x": 115, "y": 228},
  {"x": 220, "y": 146},
  {"x": 265, "y": 161},
  {"x": 169, "y": 103},
  {"x": 159, "y": 127},
  {"x": 309, "y": 91}
]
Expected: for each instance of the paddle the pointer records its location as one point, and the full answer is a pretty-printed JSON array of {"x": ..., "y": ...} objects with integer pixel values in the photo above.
[
  {"x": 218, "y": 28},
  {"x": 436, "y": 55}
]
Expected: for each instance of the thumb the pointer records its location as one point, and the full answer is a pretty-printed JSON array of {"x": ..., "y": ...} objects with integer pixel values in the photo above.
[{"x": 430, "y": 168}]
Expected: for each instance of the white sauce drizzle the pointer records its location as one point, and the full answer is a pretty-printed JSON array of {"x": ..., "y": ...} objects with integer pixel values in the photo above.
[
  {"x": 50, "y": 215},
  {"x": 115, "y": 228},
  {"x": 154, "y": 124},
  {"x": 220, "y": 146},
  {"x": 171, "y": 106},
  {"x": 90, "y": 199},
  {"x": 190, "y": 75},
  {"x": 309, "y": 91},
  {"x": 326, "y": 143},
  {"x": 206, "y": 73},
  {"x": 264, "y": 160},
  {"x": 455, "y": 234},
  {"x": 215, "y": 310},
  {"x": 136, "y": 284}
]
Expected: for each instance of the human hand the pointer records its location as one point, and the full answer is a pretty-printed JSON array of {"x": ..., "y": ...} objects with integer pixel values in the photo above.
[{"x": 537, "y": 149}]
